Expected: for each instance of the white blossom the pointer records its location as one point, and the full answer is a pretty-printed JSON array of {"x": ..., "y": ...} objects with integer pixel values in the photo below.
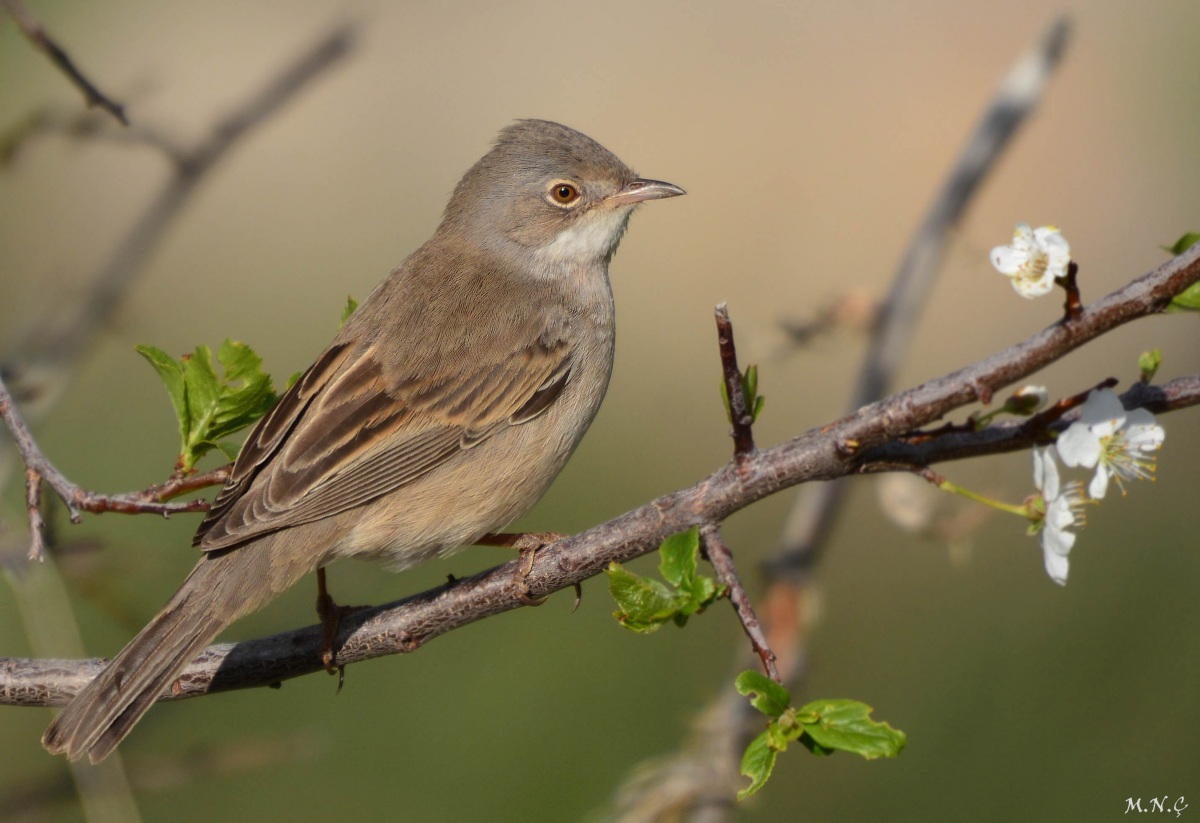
[
  {"x": 1034, "y": 260},
  {"x": 1063, "y": 509},
  {"x": 1117, "y": 443}
]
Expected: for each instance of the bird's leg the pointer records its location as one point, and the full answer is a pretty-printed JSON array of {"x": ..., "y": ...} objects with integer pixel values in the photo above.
[
  {"x": 330, "y": 614},
  {"x": 527, "y": 543}
]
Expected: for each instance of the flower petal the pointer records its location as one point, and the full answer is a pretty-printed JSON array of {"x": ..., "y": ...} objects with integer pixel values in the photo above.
[
  {"x": 1078, "y": 446},
  {"x": 1103, "y": 411},
  {"x": 1030, "y": 287},
  {"x": 1057, "y": 566},
  {"x": 1009, "y": 261}
]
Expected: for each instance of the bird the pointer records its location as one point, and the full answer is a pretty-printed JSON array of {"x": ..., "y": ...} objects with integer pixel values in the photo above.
[{"x": 440, "y": 412}]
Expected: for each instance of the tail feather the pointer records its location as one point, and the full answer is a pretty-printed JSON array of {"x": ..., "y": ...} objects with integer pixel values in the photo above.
[{"x": 220, "y": 589}]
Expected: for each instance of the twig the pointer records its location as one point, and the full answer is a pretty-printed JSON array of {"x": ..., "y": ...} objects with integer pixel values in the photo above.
[
  {"x": 739, "y": 409},
  {"x": 1036, "y": 424},
  {"x": 1011, "y": 436},
  {"x": 1072, "y": 303},
  {"x": 182, "y": 484},
  {"x": 36, "y": 33},
  {"x": 37, "y": 367},
  {"x": 721, "y": 557},
  {"x": 37, "y": 525},
  {"x": 39, "y": 468},
  {"x": 406, "y": 625}
]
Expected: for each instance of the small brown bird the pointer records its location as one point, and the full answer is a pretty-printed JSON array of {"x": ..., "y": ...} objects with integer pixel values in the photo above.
[{"x": 441, "y": 411}]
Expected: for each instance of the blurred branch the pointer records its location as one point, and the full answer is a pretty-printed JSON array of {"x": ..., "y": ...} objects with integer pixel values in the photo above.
[
  {"x": 36, "y": 33},
  {"x": 842, "y": 448},
  {"x": 1018, "y": 96},
  {"x": 815, "y": 510},
  {"x": 38, "y": 367}
]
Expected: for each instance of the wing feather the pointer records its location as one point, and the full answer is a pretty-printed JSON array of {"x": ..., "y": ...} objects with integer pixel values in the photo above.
[{"x": 345, "y": 434}]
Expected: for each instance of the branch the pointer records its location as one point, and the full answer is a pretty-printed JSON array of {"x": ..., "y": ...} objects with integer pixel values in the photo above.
[
  {"x": 1000, "y": 438},
  {"x": 37, "y": 366},
  {"x": 842, "y": 448},
  {"x": 721, "y": 557},
  {"x": 36, "y": 33}
]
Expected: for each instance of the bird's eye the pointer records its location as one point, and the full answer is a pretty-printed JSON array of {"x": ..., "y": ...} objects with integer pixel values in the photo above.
[{"x": 563, "y": 194}]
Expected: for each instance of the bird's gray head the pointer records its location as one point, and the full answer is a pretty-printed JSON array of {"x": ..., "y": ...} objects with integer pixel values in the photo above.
[{"x": 549, "y": 189}]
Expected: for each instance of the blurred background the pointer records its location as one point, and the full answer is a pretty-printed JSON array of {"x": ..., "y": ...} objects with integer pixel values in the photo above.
[{"x": 810, "y": 136}]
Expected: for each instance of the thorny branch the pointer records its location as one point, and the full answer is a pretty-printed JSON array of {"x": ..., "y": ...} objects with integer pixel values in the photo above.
[
  {"x": 845, "y": 447},
  {"x": 721, "y": 557}
]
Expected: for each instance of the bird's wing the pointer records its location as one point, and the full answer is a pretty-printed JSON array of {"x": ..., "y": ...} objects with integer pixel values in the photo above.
[{"x": 345, "y": 434}]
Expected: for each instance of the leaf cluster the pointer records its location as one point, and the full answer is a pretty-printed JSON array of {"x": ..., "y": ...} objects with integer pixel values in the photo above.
[
  {"x": 211, "y": 407},
  {"x": 645, "y": 604},
  {"x": 822, "y": 727}
]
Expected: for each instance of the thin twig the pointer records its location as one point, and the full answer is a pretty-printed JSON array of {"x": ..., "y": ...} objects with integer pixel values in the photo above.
[
  {"x": 1035, "y": 425},
  {"x": 1004, "y": 437},
  {"x": 721, "y": 557},
  {"x": 33, "y": 506},
  {"x": 1073, "y": 302},
  {"x": 36, "y": 33},
  {"x": 183, "y": 484},
  {"x": 39, "y": 468},
  {"x": 739, "y": 405}
]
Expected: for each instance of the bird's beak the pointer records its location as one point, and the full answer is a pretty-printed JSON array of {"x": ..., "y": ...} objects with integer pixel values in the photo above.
[{"x": 639, "y": 190}]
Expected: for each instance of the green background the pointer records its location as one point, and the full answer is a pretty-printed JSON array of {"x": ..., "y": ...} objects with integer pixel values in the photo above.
[{"x": 810, "y": 138}]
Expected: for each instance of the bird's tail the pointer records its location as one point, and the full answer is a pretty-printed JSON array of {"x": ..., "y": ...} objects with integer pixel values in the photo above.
[{"x": 221, "y": 588}]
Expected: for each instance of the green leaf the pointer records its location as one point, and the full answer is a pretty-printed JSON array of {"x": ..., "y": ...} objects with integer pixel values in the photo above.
[
  {"x": 1186, "y": 300},
  {"x": 765, "y": 694},
  {"x": 644, "y": 603},
  {"x": 1189, "y": 298},
  {"x": 757, "y": 764},
  {"x": 758, "y": 407},
  {"x": 203, "y": 395},
  {"x": 241, "y": 405},
  {"x": 171, "y": 373},
  {"x": 704, "y": 591},
  {"x": 846, "y": 725},
  {"x": 1183, "y": 243},
  {"x": 351, "y": 305},
  {"x": 754, "y": 403},
  {"x": 211, "y": 408},
  {"x": 678, "y": 557}
]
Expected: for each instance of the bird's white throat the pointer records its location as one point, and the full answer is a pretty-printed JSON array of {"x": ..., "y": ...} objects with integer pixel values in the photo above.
[{"x": 594, "y": 238}]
